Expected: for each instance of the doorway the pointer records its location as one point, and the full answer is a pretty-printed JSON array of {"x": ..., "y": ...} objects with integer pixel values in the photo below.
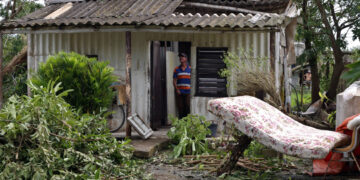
[{"x": 164, "y": 59}]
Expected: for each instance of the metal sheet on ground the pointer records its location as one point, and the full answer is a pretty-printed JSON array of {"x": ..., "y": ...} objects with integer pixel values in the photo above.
[{"x": 140, "y": 126}]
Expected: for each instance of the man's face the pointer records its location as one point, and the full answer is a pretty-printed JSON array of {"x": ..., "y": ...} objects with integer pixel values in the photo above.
[{"x": 183, "y": 60}]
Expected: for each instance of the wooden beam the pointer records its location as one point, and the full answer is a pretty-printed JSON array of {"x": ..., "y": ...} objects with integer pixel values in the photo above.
[
  {"x": 128, "y": 81},
  {"x": 272, "y": 51},
  {"x": 1, "y": 76}
]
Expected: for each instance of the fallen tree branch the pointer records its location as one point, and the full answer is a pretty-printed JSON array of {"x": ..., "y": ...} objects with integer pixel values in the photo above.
[
  {"x": 247, "y": 167},
  {"x": 236, "y": 152},
  {"x": 74, "y": 140},
  {"x": 199, "y": 156},
  {"x": 194, "y": 162},
  {"x": 18, "y": 59},
  {"x": 310, "y": 123}
]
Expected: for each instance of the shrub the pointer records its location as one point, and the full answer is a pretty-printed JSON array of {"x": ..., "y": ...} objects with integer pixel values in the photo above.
[
  {"x": 46, "y": 139},
  {"x": 189, "y": 133},
  {"x": 88, "y": 78}
]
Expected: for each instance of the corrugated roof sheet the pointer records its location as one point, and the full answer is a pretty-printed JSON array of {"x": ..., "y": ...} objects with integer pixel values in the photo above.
[
  {"x": 258, "y": 5},
  {"x": 139, "y": 12}
]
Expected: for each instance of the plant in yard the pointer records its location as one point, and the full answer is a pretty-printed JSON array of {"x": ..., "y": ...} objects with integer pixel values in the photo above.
[
  {"x": 44, "y": 138},
  {"x": 189, "y": 135},
  {"x": 251, "y": 74},
  {"x": 255, "y": 150},
  {"x": 88, "y": 78},
  {"x": 332, "y": 119},
  {"x": 354, "y": 72}
]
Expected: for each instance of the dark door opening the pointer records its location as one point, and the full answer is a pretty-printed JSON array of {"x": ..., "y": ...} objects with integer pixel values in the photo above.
[
  {"x": 158, "y": 113},
  {"x": 185, "y": 47},
  {"x": 161, "y": 85}
]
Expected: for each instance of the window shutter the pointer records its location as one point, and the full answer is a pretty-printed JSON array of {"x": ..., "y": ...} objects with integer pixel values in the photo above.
[{"x": 208, "y": 65}]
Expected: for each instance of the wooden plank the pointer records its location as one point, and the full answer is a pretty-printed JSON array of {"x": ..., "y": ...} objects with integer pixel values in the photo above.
[{"x": 128, "y": 81}]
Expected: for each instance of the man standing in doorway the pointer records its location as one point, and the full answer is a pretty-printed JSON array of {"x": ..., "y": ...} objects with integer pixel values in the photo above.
[{"x": 182, "y": 85}]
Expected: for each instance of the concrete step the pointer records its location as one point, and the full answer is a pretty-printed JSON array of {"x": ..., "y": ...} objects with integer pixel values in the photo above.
[{"x": 146, "y": 148}]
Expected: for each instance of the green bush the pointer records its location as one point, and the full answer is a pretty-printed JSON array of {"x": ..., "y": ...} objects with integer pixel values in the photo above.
[
  {"x": 46, "y": 139},
  {"x": 189, "y": 133},
  {"x": 88, "y": 78}
]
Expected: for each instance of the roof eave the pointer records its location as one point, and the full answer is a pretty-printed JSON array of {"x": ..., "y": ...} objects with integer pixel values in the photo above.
[{"x": 135, "y": 28}]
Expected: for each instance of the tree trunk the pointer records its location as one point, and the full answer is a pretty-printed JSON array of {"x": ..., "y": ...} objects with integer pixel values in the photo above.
[
  {"x": 338, "y": 69},
  {"x": 315, "y": 80},
  {"x": 1, "y": 76},
  {"x": 236, "y": 153},
  {"x": 338, "y": 54}
]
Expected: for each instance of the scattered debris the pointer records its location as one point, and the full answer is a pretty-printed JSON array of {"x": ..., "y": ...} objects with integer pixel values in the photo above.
[{"x": 213, "y": 162}]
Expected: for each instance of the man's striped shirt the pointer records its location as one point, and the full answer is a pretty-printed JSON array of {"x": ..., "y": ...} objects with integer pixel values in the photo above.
[{"x": 183, "y": 82}]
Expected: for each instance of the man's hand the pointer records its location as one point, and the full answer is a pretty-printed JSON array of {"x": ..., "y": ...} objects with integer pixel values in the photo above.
[{"x": 177, "y": 90}]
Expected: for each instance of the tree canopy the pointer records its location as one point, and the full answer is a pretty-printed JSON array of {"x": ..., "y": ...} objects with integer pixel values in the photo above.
[{"x": 326, "y": 24}]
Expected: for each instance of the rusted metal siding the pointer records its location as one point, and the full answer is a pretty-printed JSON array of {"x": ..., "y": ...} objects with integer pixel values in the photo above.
[{"x": 111, "y": 46}]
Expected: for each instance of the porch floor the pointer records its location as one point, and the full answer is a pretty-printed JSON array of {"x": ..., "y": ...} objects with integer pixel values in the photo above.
[{"x": 147, "y": 148}]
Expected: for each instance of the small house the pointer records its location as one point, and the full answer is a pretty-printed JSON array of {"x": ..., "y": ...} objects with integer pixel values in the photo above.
[{"x": 147, "y": 35}]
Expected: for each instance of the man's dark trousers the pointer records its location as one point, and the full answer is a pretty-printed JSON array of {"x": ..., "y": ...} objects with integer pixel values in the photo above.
[{"x": 183, "y": 103}]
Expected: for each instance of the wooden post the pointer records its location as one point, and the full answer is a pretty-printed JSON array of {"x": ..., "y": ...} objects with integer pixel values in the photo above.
[
  {"x": 28, "y": 61},
  {"x": 1, "y": 76},
  {"x": 128, "y": 82},
  {"x": 272, "y": 51}
]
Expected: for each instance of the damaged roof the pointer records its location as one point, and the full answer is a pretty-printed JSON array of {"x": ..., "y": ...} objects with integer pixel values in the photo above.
[{"x": 183, "y": 13}]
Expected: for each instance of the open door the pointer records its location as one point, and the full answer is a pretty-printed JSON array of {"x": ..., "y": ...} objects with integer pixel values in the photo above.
[
  {"x": 158, "y": 113},
  {"x": 172, "y": 60}
]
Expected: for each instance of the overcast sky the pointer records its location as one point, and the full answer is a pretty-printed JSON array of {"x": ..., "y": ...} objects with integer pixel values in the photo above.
[{"x": 351, "y": 44}]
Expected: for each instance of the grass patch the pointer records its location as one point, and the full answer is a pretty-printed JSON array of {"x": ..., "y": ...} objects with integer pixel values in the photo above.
[{"x": 296, "y": 100}]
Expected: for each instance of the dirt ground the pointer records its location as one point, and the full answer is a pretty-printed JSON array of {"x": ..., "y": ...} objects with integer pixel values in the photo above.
[{"x": 161, "y": 167}]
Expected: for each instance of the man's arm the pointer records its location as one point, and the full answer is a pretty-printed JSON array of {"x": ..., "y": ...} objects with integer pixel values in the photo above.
[{"x": 174, "y": 83}]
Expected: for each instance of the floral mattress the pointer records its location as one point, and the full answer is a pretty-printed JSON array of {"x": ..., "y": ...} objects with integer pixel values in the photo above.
[{"x": 274, "y": 129}]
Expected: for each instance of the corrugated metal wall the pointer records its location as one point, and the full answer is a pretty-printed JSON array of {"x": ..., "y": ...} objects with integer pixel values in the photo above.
[
  {"x": 257, "y": 42},
  {"x": 108, "y": 46},
  {"x": 111, "y": 46}
]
